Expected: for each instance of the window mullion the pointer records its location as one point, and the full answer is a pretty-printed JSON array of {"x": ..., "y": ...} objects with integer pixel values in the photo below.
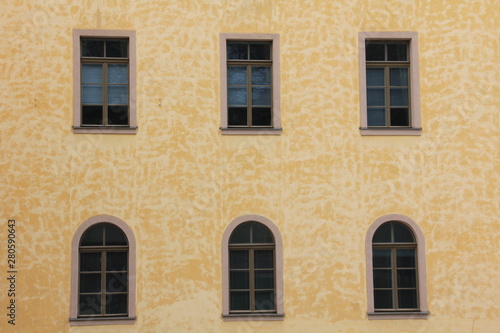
[{"x": 395, "y": 279}]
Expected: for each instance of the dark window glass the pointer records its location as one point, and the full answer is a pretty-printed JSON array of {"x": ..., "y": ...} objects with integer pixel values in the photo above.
[
  {"x": 382, "y": 278},
  {"x": 376, "y": 117},
  {"x": 238, "y": 259},
  {"x": 118, "y": 115},
  {"x": 264, "y": 279},
  {"x": 237, "y": 117},
  {"x": 116, "y": 304},
  {"x": 91, "y": 115},
  {"x": 240, "y": 279},
  {"x": 407, "y": 278},
  {"x": 383, "y": 234},
  {"x": 397, "y": 52},
  {"x": 114, "y": 236},
  {"x": 116, "y": 282},
  {"x": 402, "y": 233},
  {"x": 264, "y": 258},
  {"x": 382, "y": 258},
  {"x": 241, "y": 235},
  {"x": 400, "y": 117},
  {"x": 116, "y": 261},
  {"x": 89, "y": 305},
  {"x": 264, "y": 300},
  {"x": 237, "y": 50},
  {"x": 117, "y": 48},
  {"x": 406, "y": 258},
  {"x": 375, "y": 52},
  {"x": 260, "y": 51},
  {"x": 260, "y": 234},
  {"x": 90, "y": 261},
  {"x": 407, "y": 299},
  {"x": 92, "y": 48},
  {"x": 261, "y": 117},
  {"x": 383, "y": 299},
  {"x": 90, "y": 283},
  {"x": 93, "y": 236},
  {"x": 240, "y": 300}
]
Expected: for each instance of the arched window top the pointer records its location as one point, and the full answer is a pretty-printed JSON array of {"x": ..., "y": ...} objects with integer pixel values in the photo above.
[
  {"x": 104, "y": 234},
  {"x": 393, "y": 232},
  {"x": 251, "y": 233}
]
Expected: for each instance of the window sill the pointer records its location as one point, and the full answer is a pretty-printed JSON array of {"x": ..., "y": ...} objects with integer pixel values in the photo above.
[
  {"x": 250, "y": 131},
  {"x": 104, "y": 130},
  {"x": 391, "y": 131},
  {"x": 254, "y": 317},
  {"x": 94, "y": 321},
  {"x": 397, "y": 315}
]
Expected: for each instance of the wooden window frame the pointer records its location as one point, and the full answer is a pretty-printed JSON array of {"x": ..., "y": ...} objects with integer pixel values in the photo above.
[
  {"x": 75, "y": 318},
  {"x": 411, "y": 38},
  {"x": 423, "y": 311},
  {"x": 278, "y": 313},
  {"x": 78, "y": 60},
  {"x": 275, "y": 128}
]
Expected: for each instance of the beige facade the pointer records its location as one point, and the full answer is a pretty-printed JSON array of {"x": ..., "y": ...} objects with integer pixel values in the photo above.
[{"x": 179, "y": 180}]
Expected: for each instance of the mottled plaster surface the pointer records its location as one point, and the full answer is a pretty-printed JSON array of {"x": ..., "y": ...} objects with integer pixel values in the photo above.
[{"x": 178, "y": 183}]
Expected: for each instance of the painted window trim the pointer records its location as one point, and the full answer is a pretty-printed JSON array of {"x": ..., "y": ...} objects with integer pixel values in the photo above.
[
  {"x": 415, "y": 126},
  {"x": 276, "y": 127},
  {"x": 74, "y": 320},
  {"x": 421, "y": 269},
  {"x": 278, "y": 243},
  {"x": 77, "y": 128}
]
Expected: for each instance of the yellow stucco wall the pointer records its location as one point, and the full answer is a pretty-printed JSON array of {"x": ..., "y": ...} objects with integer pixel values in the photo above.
[{"x": 178, "y": 182}]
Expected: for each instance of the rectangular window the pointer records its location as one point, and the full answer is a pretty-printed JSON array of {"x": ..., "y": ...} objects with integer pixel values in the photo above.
[
  {"x": 104, "y": 82},
  {"x": 389, "y": 84},
  {"x": 250, "y": 84}
]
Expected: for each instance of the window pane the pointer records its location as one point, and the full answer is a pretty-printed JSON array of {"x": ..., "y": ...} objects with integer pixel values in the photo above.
[
  {"x": 237, "y": 50},
  {"x": 92, "y": 48},
  {"x": 238, "y": 259},
  {"x": 116, "y": 304},
  {"x": 398, "y": 76},
  {"x": 261, "y": 117},
  {"x": 382, "y": 278},
  {"x": 264, "y": 279},
  {"x": 382, "y": 258},
  {"x": 405, "y": 258},
  {"x": 264, "y": 300},
  {"x": 260, "y": 234},
  {"x": 239, "y": 300},
  {"x": 375, "y": 77},
  {"x": 117, "y": 49},
  {"x": 118, "y": 94},
  {"x": 407, "y": 299},
  {"x": 264, "y": 258},
  {"x": 397, "y": 52},
  {"x": 376, "y": 117},
  {"x": 241, "y": 235},
  {"x": 116, "y": 261},
  {"x": 93, "y": 236},
  {"x": 91, "y": 73},
  {"x": 400, "y": 117},
  {"x": 90, "y": 283},
  {"x": 261, "y": 96},
  {"x": 375, "y": 96},
  {"x": 260, "y": 51},
  {"x": 239, "y": 280},
  {"x": 261, "y": 75},
  {"x": 236, "y": 75},
  {"x": 118, "y": 115},
  {"x": 383, "y": 234},
  {"x": 399, "y": 96},
  {"x": 116, "y": 282},
  {"x": 383, "y": 299},
  {"x": 375, "y": 52},
  {"x": 89, "y": 304},
  {"x": 118, "y": 73},
  {"x": 91, "y": 94},
  {"x": 90, "y": 262},
  {"x": 407, "y": 278},
  {"x": 237, "y": 96},
  {"x": 115, "y": 236},
  {"x": 402, "y": 233},
  {"x": 91, "y": 115},
  {"x": 237, "y": 117}
]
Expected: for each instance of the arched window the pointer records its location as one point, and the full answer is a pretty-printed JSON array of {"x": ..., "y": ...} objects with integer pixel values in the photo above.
[
  {"x": 103, "y": 282},
  {"x": 396, "y": 276},
  {"x": 252, "y": 272}
]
